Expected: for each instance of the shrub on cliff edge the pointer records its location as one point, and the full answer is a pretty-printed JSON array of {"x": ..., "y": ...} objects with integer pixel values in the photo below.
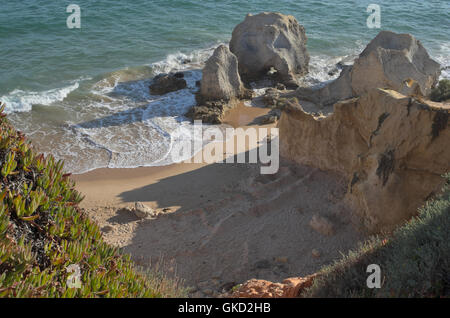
[
  {"x": 414, "y": 261},
  {"x": 43, "y": 232},
  {"x": 441, "y": 92}
]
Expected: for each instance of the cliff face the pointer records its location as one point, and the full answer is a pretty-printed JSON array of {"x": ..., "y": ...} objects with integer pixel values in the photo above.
[{"x": 391, "y": 148}]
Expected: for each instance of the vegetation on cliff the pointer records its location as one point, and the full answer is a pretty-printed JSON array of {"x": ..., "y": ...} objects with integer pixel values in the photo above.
[
  {"x": 441, "y": 92},
  {"x": 43, "y": 232},
  {"x": 414, "y": 261}
]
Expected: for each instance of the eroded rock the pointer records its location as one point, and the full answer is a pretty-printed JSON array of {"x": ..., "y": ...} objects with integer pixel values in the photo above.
[
  {"x": 270, "y": 40},
  {"x": 220, "y": 79},
  {"x": 211, "y": 112},
  {"x": 142, "y": 211},
  {"x": 388, "y": 61},
  {"x": 391, "y": 148}
]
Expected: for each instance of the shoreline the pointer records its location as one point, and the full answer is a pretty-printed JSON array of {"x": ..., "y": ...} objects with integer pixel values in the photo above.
[{"x": 102, "y": 186}]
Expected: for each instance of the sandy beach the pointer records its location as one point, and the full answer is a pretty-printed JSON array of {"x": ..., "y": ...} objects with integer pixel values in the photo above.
[{"x": 259, "y": 223}]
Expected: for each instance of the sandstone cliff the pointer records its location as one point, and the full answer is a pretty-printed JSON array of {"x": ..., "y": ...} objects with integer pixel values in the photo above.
[{"x": 391, "y": 148}]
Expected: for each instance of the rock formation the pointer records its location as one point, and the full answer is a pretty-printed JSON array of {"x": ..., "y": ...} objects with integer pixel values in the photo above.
[
  {"x": 211, "y": 112},
  {"x": 270, "y": 40},
  {"x": 220, "y": 88},
  {"x": 388, "y": 61},
  {"x": 166, "y": 83},
  {"x": 391, "y": 148},
  {"x": 142, "y": 211},
  {"x": 258, "y": 288},
  {"x": 220, "y": 79}
]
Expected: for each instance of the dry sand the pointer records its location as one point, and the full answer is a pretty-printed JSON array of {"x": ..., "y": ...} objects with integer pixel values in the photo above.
[{"x": 221, "y": 224}]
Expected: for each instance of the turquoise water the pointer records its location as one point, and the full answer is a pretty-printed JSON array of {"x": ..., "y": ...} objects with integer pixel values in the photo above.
[{"x": 82, "y": 94}]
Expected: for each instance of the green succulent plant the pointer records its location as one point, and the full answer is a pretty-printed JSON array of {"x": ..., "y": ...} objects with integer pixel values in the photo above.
[{"x": 43, "y": 231}]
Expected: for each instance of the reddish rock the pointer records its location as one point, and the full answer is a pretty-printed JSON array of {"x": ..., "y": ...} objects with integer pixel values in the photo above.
[{"x": 258, "y": 288}]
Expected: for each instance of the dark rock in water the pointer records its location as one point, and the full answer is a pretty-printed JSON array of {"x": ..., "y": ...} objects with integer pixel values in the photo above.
[
  {"x": 166, "y": 83},
  {"x": 198, "y": 83},
  {"x": 179, "y": 75},
  {"x": 333, "y": 71}
]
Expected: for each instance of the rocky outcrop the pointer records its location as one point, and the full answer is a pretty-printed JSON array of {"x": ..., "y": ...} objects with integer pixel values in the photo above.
[
  {"x": 270, "y": 41},
  {"x": 211, "y": 112},
  {"x": 220, "y": 79},
  {"x": 388, "y": 61},
  {"x": 220, "y": 88},
  {"x": 166, "y": 83},
  {"x": 258, "y": 288},
  {"x": 391, "y": 148}
]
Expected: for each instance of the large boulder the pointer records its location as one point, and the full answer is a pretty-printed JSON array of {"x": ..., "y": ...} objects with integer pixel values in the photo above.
[
  {"x": 166, "y": 83},
  {"x": 220, "y": 79},
  {"x": 270, "y": 40},
  {"x": 392, "y": 150},
  {"x": 388, "y": 61}
]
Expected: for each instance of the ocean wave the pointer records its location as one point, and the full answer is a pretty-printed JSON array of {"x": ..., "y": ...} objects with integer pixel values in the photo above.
[
  {"x": 182, "y": 61},
  {"x": 23, "y": 101}
]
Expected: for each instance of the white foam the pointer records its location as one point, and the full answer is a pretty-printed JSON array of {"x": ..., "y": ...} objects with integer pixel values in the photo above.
[
  {"x": 443, "y": 58},
  {"x": 180, "y": 61},
  {"x": 23, "y": 101}
]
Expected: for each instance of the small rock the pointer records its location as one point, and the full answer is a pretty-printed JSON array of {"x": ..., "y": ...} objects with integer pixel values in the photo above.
[
  {"x": 107, "y": 228},
  {"x": 333, "y": 71},
  {"x": 321, "y": 225},
  {"x": 142, "y": 211},
  {"x": 271, "y": 96},
  {"x": 268, "y": 120},
  {"x": 315, "y": 253}
]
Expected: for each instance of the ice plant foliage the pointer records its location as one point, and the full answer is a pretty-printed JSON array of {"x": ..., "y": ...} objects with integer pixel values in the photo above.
[{"x": 43, "y": 231}]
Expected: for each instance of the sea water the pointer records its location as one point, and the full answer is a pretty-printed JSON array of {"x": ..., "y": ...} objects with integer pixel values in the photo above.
[{"x": 82, "y": 94}]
